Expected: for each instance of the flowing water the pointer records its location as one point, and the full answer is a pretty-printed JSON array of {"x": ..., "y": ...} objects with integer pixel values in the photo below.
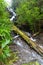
[{"x": 25, "y": 53}]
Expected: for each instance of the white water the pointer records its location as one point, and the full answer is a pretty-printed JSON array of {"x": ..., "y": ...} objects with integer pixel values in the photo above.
[
  {"x": 16, "y": 36},
  {"x": 9, "y": 4},
  {"x": 13, "y": 13},
  {"x": 18, "y": 43},
  {"x": 32, "y": 39}
]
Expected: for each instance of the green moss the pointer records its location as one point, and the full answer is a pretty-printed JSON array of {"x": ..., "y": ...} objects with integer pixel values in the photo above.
[{"x": 32, "y": 63}]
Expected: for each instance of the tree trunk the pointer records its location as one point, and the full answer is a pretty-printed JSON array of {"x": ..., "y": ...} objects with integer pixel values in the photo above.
[{"x": 34, "y": 45}]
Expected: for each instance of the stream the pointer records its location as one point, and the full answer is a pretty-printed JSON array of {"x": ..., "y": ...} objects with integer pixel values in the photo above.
[{"x": 25, "y": 53}]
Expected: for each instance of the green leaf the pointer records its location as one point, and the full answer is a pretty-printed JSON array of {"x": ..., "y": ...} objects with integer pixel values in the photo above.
[{"x": 4, "y": 43}]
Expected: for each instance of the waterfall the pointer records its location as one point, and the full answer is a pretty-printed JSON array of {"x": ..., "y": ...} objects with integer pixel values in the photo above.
[
  {"x": 13, "y": 13},
  {"x": 9, "y": 4}
]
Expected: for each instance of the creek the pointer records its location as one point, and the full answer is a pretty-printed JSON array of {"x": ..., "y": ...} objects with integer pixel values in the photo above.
[{"x": 25, "y": 53}]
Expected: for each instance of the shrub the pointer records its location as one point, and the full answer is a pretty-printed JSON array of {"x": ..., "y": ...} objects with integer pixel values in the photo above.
[
  {"x": 5, "y": 28},
  {"x": 30, "y": 12}
]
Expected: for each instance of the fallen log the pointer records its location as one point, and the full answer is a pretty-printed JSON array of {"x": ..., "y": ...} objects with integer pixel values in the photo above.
[
  {"x": 37, "y": 33},
  {"x": 34, "y": 45}
]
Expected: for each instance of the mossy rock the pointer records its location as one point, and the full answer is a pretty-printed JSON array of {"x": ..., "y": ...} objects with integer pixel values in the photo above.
[{"x": 32, "y": 63}]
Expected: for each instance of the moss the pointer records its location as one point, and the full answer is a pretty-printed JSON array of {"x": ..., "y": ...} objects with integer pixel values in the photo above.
[{"x": 32, "y": 63}]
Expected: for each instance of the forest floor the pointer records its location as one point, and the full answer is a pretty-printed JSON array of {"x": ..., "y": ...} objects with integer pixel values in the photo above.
[{"x": 25, "y": 53}]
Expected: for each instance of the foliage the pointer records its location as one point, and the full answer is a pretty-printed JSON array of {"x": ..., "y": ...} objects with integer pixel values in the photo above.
[
  {"x": 30, "y": 12},
  {"x": 16, "y": 3},
  {"x": 5, "y": 28}
]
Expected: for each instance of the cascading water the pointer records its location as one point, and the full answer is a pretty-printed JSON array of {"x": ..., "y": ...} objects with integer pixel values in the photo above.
[{"x": 13, "y": 13}]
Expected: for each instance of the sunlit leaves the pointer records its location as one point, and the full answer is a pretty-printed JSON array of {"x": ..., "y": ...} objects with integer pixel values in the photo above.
[{"x": 5, "y": 28}]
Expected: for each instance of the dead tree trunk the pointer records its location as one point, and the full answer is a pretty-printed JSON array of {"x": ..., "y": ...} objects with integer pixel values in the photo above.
[{"x": 34, "y": 45}]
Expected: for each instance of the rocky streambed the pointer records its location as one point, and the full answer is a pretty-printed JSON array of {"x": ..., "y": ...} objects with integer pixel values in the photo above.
[{"x": 25, "y": 53}]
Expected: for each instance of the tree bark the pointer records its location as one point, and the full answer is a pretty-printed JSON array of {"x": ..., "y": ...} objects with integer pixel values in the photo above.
[
  {"x": 32, "y": 44},
  {"x": 34, "y": 35}
]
